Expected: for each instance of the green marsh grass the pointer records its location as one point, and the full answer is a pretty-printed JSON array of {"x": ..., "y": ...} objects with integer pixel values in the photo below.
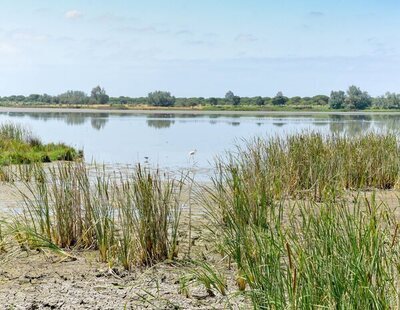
[
  {"x": 319, "y": 166},
  {"x": 322, "y": 252},
  {"x": 149, "y": 213},
  {"x": 131, "y": 219},
  {"x": 19, "y": 146}
]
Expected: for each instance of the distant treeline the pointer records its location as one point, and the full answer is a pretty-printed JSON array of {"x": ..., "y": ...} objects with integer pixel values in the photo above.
[{"x": 352, "y": 99}]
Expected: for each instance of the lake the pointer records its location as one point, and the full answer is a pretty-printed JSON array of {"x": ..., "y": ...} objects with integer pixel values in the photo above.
[{"x": 165, "y": 139}]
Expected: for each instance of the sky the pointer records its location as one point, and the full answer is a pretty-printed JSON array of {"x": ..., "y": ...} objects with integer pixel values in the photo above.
[{"x": 199, "y": 48}]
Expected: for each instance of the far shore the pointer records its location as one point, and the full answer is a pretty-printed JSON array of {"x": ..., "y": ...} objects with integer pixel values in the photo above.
[{"x": 183, "y": 111}]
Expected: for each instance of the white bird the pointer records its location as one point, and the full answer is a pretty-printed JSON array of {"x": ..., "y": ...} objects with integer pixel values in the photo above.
[{"x": 191, "y": 153}]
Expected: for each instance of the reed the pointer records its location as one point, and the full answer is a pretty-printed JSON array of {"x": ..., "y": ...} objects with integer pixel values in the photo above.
[
  {"x": 319, "y": 166},
  {"x": 132, "y": 220},
  {"x": 149, "y": 214},
  {"x": 323, "y": 252}
]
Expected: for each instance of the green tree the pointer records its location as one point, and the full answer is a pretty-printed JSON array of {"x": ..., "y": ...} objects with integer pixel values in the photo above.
[
  {"x": 279, "y": 99},
  {"x": 99, "y": 96},
  {"x": 235, "y": 100},
  {"x": 259, "y": 101},
  {"x": 295, "y": 100},
  {"x": 213, "y": 101},
  {"x": 161, "y": 99},
  {"x": 33, "y": 97},
  {"x": 357, "y": 99},
  {"x": 392, "y": 100},
  {"x": 337, "y": 99},
  {"x": 73, "y": 97},
  {"x": 229, "y": 95}
]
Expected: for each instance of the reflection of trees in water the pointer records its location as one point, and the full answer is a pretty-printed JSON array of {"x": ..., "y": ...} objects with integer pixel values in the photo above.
[
  {"x": 279, "y": 124},
  {"x": 234, "y": 123},
  {"x": 97, "y": 120},
  {"x": 159, "y": 123},
  {"x": 98, "y": 123},
  {"x": 350, "y": 124},
  {"x": 387, "y": 122},
  {"x": 75, "y": 119}
]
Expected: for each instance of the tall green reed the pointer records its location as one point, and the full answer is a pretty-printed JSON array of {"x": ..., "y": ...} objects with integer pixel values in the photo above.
[
  {"x": 309, "y": 254},
  {"x": 132, "y": 219},
  {"x": 149, "y": 214}
]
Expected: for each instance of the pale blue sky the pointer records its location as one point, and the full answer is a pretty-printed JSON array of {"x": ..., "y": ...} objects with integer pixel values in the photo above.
[{"x": 199, "y": 48}]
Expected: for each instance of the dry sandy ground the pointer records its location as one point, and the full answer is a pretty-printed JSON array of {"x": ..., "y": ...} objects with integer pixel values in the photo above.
[{"x": 39, "y": 281}]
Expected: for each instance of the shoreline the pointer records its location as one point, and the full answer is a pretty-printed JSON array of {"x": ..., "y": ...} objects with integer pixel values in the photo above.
[{"x": 184, "y": 111}]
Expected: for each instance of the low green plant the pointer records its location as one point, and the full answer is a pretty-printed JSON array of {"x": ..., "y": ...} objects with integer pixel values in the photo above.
[{"x": 19, "y": 146}]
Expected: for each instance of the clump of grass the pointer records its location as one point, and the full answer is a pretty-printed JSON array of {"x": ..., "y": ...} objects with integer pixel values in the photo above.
[
  {"x": 17, "y": 132},
  {"x": 212, "y": 279},
  {"x": 19, "y": 146},
  {"x": 133, "y": 220},
  {"x": 149, "y": 214},
  {"x": 53, "y": 208}
]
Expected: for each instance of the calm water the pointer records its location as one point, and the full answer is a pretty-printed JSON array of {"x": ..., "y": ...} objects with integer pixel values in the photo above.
[{"x": 166, "y": 139}]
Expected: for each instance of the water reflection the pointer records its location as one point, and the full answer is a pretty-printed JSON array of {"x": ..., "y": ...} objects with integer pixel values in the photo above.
[
  {"x": 336, "y": 123},
  {"x": 159, "y": 123},
  {"x": 354, "y": 124},
  {"x": 97, "y": 120}
]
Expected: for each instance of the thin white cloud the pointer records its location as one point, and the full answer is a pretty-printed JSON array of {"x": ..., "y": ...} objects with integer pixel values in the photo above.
[
  {"x": 316, "y": 14},
  {"x": 245, "y": 38},
  {"x": 143, "y": 30},
  {"x": 73, "y": 14}
]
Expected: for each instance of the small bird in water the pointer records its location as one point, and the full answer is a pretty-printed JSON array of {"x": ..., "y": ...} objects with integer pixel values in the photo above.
[{"x": 191, "y": 153}]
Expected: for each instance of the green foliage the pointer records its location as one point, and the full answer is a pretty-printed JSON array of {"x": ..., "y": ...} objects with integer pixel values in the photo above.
[
  {"x": 279, "y": 99},
  {"x": 337, "y": 99},
  {"x": 213, "y": 101},
  {"x": 354, "y": 99},
  {"x": 73, "y": 97},
  {"x": 229, "y": 95},
  {"x": 235, "y": 100},
  {"x": 259, "y": 101},
  {"x": 99, "y": 96},
  {"x": 160, "y": 99},
  {"x": 357, "y": 99},
  {"x": 388, "y": 101}
]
